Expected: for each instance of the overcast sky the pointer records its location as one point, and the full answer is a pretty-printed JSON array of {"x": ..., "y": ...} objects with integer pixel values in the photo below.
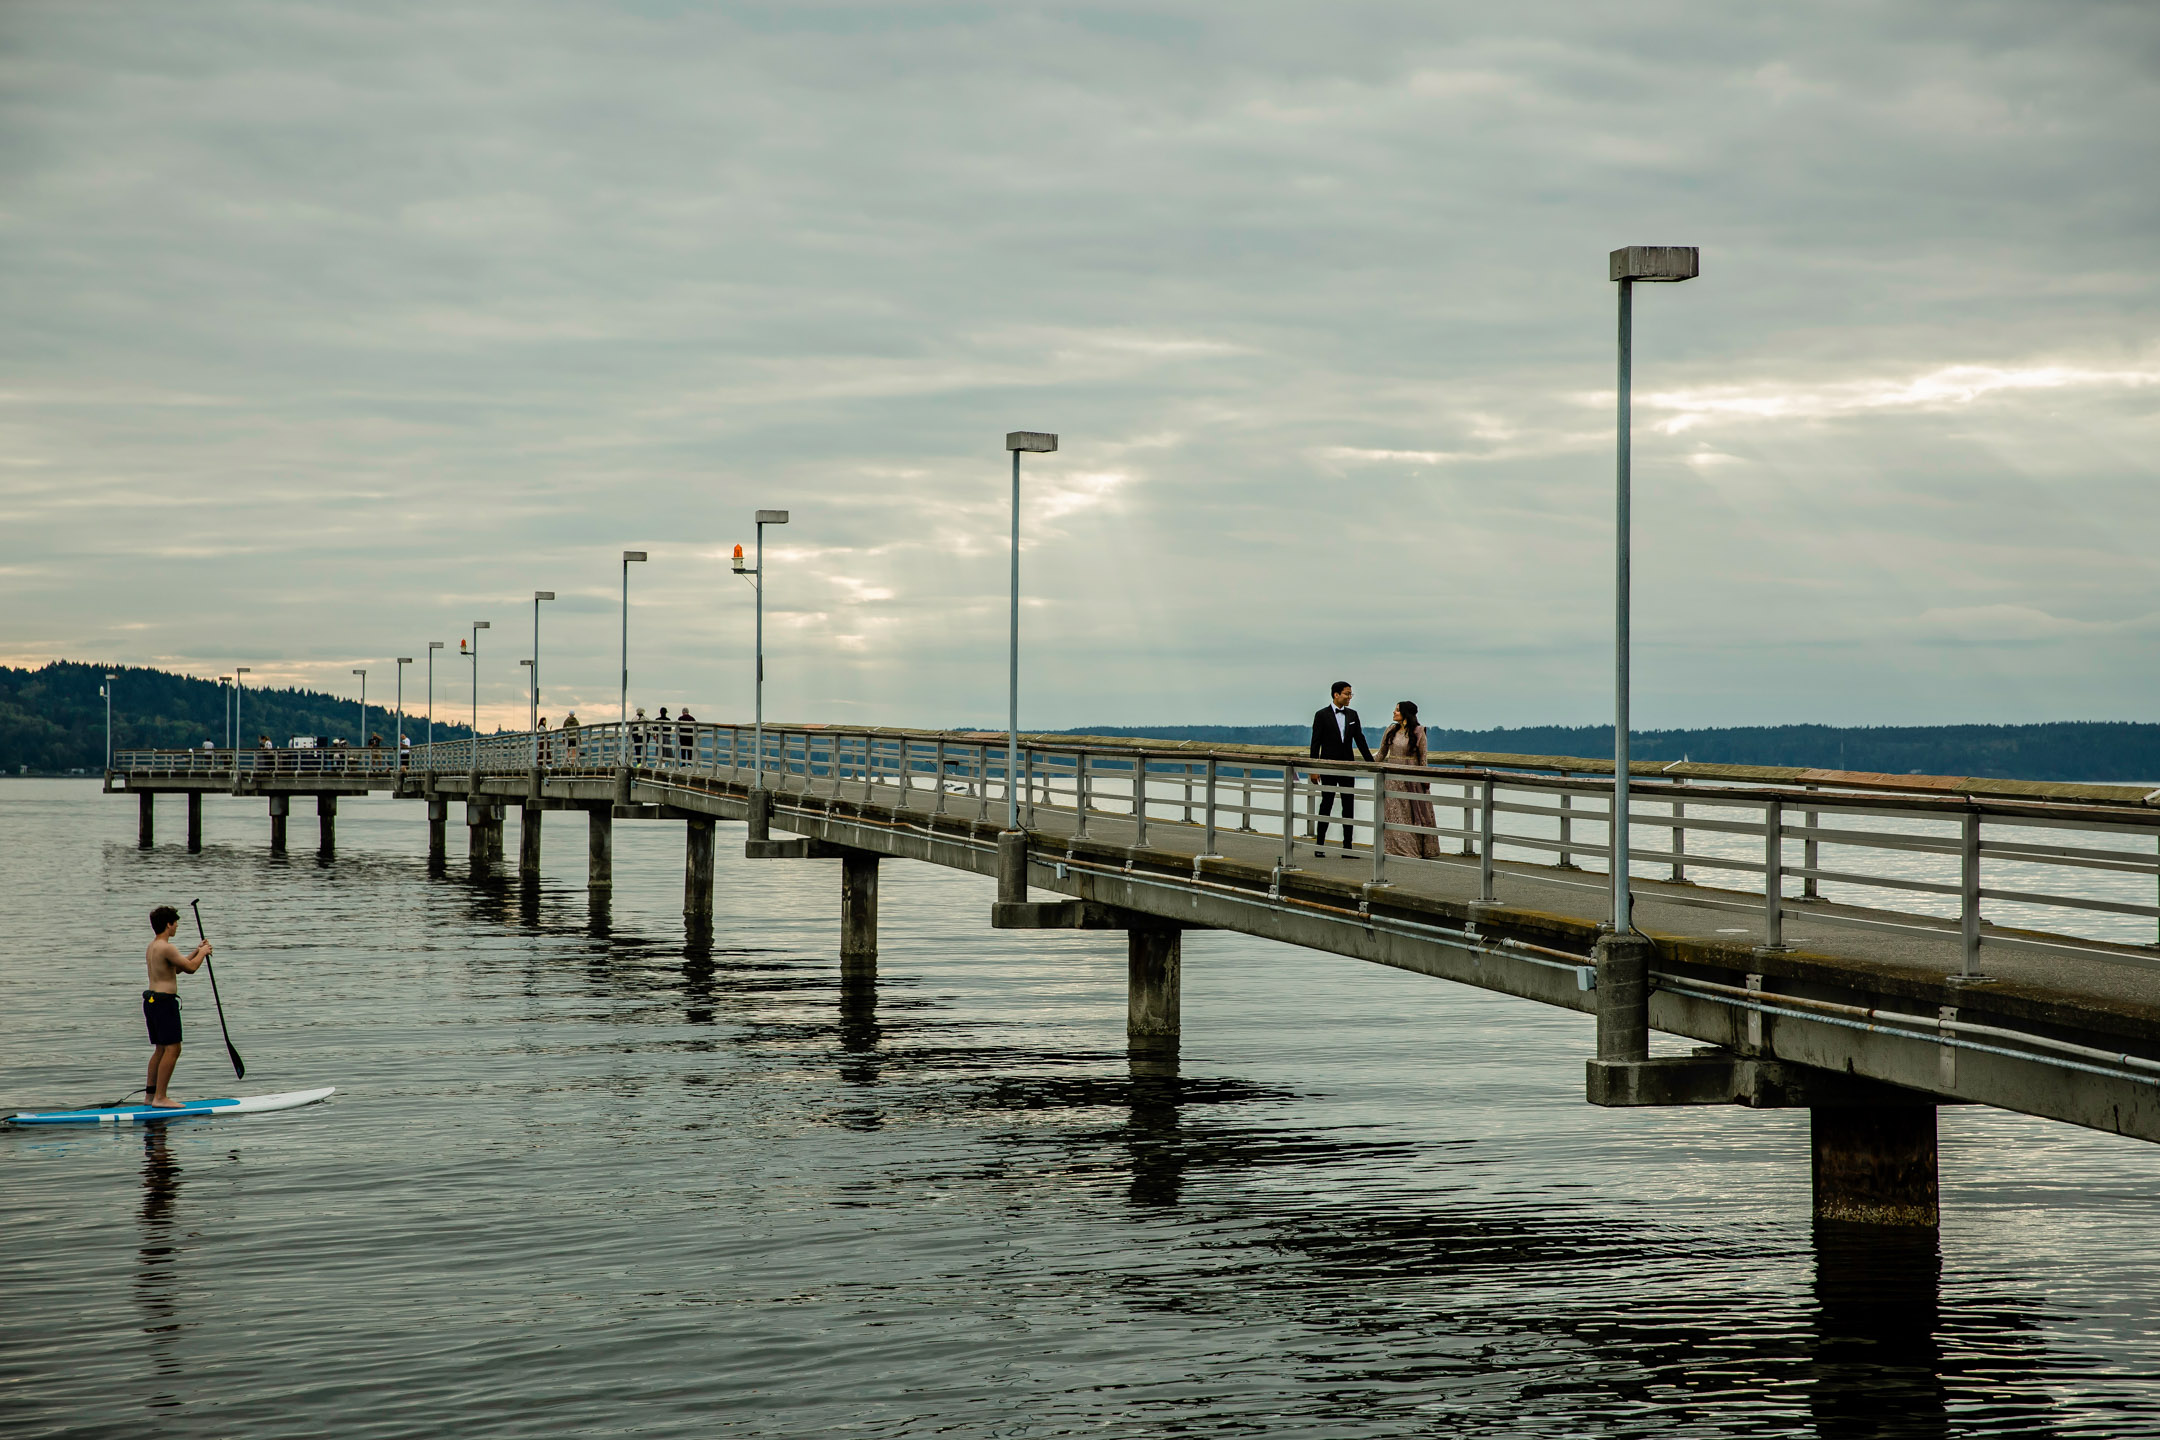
[{"x": 331, "y": 328}]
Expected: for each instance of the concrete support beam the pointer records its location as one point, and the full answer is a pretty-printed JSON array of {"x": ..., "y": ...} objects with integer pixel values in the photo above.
[
  {"x": 1153, "y": 966},
  {"x": 438, "y": 825},
  {"x": 600, "y": 849},
  {"x": 495, "y": 835},
  {"x": 1058, "y": 915},
  {"x": 280, "y": 812},
  {"x": 698, "y": 867},
  {"x": 194, "y": 820},
  {"x": 145, "y": 820},
  {"x": 529, "y": 844},
  {"x": 1876, "y": 1165},
  {"x": 858, "y": 914},
  {"x": 1623, "y": 997},
  {"x": 326, "y": 824},
  {"x": 760, "y": 818}
]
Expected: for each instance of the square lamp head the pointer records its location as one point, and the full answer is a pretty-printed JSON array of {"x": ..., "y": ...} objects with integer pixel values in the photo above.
[
  {"x": 772, "y": 517},
  {"x": 543, "y": 594},
  {"x": 1034, "y": 442},
  {"x": 630, "y": 555},
  {"x": 1656, "y": 262}
]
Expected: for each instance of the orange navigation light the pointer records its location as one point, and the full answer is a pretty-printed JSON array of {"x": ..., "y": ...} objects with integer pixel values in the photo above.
[{"x": 738, "y": 557}]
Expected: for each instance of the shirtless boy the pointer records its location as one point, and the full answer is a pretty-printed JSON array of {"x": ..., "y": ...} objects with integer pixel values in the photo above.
[{"x": 161, "y": 1002}]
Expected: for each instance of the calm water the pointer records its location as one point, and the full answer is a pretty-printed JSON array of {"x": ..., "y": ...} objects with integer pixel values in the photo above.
[{"x": 582, "y": 1177}]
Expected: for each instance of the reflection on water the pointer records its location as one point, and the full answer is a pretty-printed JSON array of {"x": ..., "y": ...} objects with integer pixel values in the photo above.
[
  {"x": 592, "y": 1168},
  {"x": 156, "y": 1277}
]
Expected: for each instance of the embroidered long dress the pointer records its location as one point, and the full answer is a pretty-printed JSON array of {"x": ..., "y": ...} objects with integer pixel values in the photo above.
[{"x": 1406, "y": 804}]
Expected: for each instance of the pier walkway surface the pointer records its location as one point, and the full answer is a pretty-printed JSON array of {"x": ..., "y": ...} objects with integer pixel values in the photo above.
[{"x": 2016, "y": 969}]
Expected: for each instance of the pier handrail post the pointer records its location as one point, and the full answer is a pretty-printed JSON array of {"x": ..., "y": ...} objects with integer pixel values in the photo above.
[
  {"x": 1289, "y": 813},
  {"x": 1080, "y": 796},
  {"x": 1810, "y": 856},
  {"x": 1245, "y": 825},
  {"x": 1210, "y": 846},
  {"x": 1774, "y": 875},
  {"x": 1485, "y": 841},
  {"x": 1139, "y": 808},
  {"x": 1679, "y": 842},
  {"x": 1567, "y": 826},
  {"x": 1969, "y": 895},
  {"x": 1379, "y": 827}
]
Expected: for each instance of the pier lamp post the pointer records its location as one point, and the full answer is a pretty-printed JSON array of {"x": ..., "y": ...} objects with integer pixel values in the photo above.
[
  {"x": 538, "y": 596},
  {"x": 106, "y": 691},
  {"x": 1662, "y": 264},
  {"x": 477, "y": 627},
  {"x": 238, "y": 683},
  {"x": 402, "y": 662},
  {"x": 1020, "y": 442},
  {"x": 756, "y": 576},
  {"x": 629, "y": 557},
  {"x": 225, "y": 701},
  {"x": 363, "y": 707},
  {"x": 432, "y": 647}
]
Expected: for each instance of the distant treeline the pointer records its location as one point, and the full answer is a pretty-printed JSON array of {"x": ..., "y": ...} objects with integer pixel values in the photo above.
[
  {"x": 53, "y": 721},
  {"x": 2062, "y": 750}
]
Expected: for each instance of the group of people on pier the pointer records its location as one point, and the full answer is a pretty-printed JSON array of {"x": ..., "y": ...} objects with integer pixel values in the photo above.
[{"x": 665, "y": 739}]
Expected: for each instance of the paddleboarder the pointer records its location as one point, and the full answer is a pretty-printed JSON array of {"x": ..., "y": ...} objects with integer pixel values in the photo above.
[{"x": 161, "y": 1002}]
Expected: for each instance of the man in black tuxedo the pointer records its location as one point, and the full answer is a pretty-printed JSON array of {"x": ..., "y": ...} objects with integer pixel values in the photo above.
[{"x": 1335, "y": 732}]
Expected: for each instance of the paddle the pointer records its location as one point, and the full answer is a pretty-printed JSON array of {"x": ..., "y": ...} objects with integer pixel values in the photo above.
[{"x": 239, "y": 1070}]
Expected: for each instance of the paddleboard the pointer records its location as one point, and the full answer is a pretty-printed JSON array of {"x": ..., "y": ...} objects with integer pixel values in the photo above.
[{"x": 193, "y": 1109}]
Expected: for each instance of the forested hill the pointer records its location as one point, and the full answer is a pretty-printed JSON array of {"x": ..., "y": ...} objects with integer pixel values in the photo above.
[
  {"x": 52, "y": 720},
  {"x": 2063, "y": 750}
]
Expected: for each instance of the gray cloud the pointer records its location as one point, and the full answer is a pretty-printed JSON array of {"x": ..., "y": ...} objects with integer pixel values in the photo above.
[{"x": 335, "y": 327}]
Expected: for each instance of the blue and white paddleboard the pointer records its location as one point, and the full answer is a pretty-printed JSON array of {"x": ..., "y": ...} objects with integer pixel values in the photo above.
[{"x": 193, "y": 1109}]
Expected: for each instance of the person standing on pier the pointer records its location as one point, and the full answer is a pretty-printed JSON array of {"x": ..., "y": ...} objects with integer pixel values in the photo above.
[
  {"x": 1404, "y": 744},
  {"x": 664, "y": 738},
  {"x": 161, "y": 1002},
  {"x": 1335, "y": 735},
  {"x": 570, "y": 738},
  {"x": 686, "y": 736}
]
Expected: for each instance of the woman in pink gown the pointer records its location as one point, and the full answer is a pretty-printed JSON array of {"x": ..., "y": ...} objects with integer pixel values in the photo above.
[{"x": 1404, "y": 744}]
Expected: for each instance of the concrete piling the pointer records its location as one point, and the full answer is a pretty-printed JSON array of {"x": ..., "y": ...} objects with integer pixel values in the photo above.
[
  {"x": 1153, "y": 982},
  {"x": 1623, "y": 997},
  {"x": 600, "y": 849},
  {"x": 698, "y": 868},
  {"x": 483, "y": 835},
  {"x": 438, "y": 825},
  {"x": 326, "y": 824},
  {"x": 1876, "y": 1165},
  {"x": 145, "y": 820},
  {"x": 280, "y": 812},
  {"x": 194, "y": 820},
  {"x": 529, "y": 844},
  {"x": 1012, "y": 867},
  {"x": 858, "y": 914},
  {"x": 760, "y": 816}
]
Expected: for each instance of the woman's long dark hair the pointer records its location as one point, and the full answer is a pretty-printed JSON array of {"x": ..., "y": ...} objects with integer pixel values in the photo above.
[{"x": 1408, "y": 724}]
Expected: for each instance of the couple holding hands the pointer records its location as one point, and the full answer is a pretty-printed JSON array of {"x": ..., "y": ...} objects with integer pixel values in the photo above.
[{"x": 1337, "y": 735}]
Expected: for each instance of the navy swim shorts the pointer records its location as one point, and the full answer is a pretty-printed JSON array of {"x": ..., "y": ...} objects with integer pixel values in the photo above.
[{"x": 161, "y": 1012}]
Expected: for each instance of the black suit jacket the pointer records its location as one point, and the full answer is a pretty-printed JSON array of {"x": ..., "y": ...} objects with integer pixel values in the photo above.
[{"x": 1327, "y": 744}]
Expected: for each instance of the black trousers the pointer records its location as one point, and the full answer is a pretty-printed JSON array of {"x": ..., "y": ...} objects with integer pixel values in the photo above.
[{"x": 1327, "y": 807}]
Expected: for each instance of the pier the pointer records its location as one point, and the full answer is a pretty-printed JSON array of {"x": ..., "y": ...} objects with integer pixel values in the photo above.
[{"x": 1866, "y": 947}]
